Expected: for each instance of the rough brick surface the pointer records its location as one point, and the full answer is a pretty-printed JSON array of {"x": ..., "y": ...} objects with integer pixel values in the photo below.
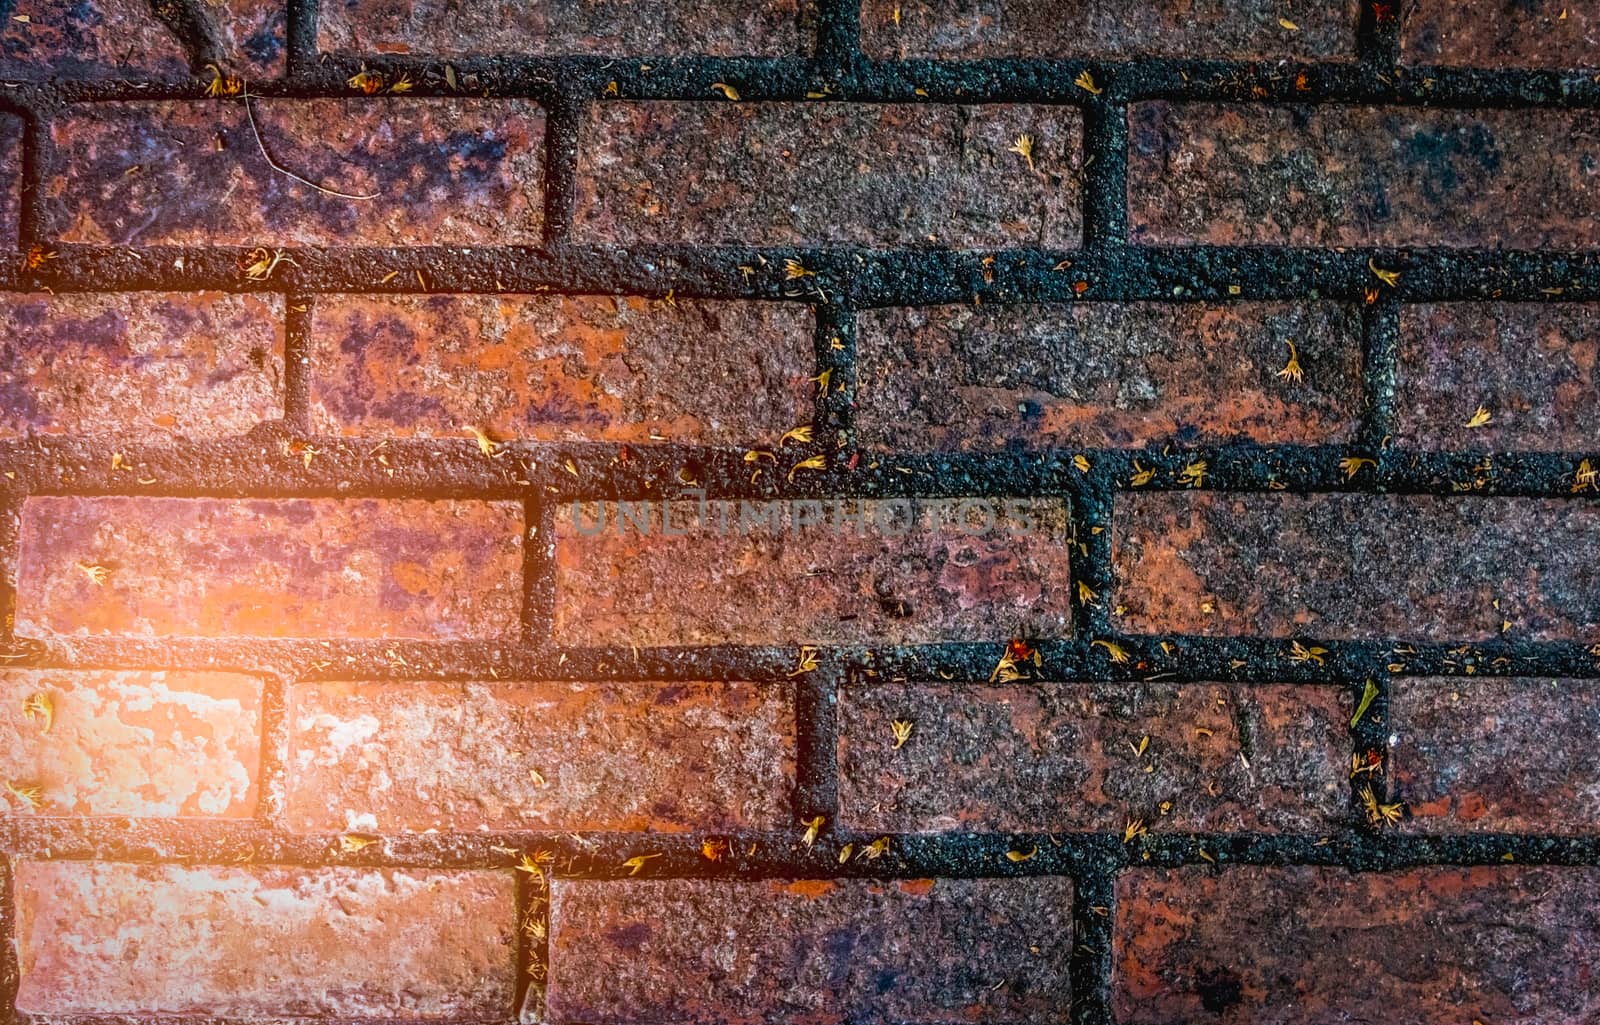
[
  {"x": 932, "y": 581},
  {"x": 1510, "y": 945},
  {"x": 1334, "y": 175},
  {"x": 816, "y": 951},
  {"x": 960, "y": 377},
  {"x": 964, "y": 29},
  {"x": 264, "y": 942},
  {"x": 154, "y": 745},
  {"x": 1349, "y": 566},
  {"x": 417, "y": 755},
  {"x": 63, "y": 40},
  {"x": 1533, "y": 368},
  {"x": 563, "y": 368},
  {"x": 1507, "y": 755},
  {"x": 141, "y": 366},
  {"x": 270, "y": 568},
  {"x": 435, "y": 171},
  {"x": 777, "y": 174},
  {"x": 1028, "y": 759},
  {"x": 1494, "y": 34},
  {"x": 613, "y": 27}
]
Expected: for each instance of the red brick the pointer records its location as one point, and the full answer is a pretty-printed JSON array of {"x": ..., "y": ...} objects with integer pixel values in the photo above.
[
  {"x": 264, "y": 942},
  {"x": 1524, "y": 34},
  {"x": 1259, "y": 945},
  {"x": 1531, "y": 366},
  {"x": 1332, "y": 175},
  {"x": 271, "y": 568},
  {"x": 933, "y": 582},
  {"x": 1102, "y": 374},
  {"x": 1355, "y": 566},
  {"x": 65, "y": 40},
  {"x": 444, "y": 171},
  {"x": 153, "y": 745},
  {"x": 1030, "y": 759},
  {"x": 139, "y": 366},
  {"x": 768, "y": 28},
  {"x": 700, "y": 952},
  {"x": 873, "y": 174},
  {"x": 959, "y": 29},
  {"x": 418, "y": 755},
  {"x": 1496, "y": 754},
  {"x": 562, "y": 368}
]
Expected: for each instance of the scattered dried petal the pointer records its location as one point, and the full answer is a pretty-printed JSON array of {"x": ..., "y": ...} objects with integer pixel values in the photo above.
[{"x": 902, "y": 732}]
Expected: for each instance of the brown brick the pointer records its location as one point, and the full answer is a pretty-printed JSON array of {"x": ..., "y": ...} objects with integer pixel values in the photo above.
[
  {"x": 1258, "y": 945},
  {"x": 1331, "y": 175},
  {"x": 1032, "y": 759},
  {"x": 960, "y": 29},
  {"x": 139, "y": 365},
  {"x": 765, "y": 28},
  {"x": 780, "y": 174},
  {"x": 65, "y": 40},
  {"x": 270, "y": 568},
  {"x": 154, "y": 745},
  {"x": 1524, "y": 34},
  {"x": 932, "y": 581},
  {"x": 444, "y": 172},
  {"x": 563, "y": 368},
  {"x": 1504, "y": 755},
  {"x": 963, "y": 377},
  {"x": 264, "y": 942},
  {"x": 1531, "y": 366},
  {"x": 763, "y": 953},
  {"x": 418, "y": 755},
  {"x": 1355, "y": 566}
]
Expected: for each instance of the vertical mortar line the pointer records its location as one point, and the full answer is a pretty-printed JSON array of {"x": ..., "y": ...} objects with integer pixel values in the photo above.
[
  {"x": 835, "y": 354},
  {"x": 1105, "y": 175},
  {"x": 1379, "y": 32},
  {"x": 816, "y": 724},
  {"x": 1091, "y": 498},
  {"x": 1094, "y": 886},
  {"x": 538, "y": 572},
  {"x": 10, "y": 971},
  {"x": 273, "y": 772},
  {"x": 301, "y": 38},
  {"x": 297, "y": 369},
  {"x": 563, "y": 126},
  {"x": 37, "y": 159},
  {"x": 838, "y": 36},
  {"x": 10, "y": 559},
  {"x": 1370, "y": 733},
  {"x": 533, "y": 945},
  {"x": 1380, "y": 357}
]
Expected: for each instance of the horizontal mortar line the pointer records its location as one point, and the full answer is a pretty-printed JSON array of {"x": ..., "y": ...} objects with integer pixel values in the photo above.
[
  {"x": 267, "y": 464},
  {"x": 801, "y": 79},
  {"x": 143, "y": 1018},
  {"x": 609, "y": 856},
  {"x": 859, "y": 276},
  {"x": 1168, "y": 659}
]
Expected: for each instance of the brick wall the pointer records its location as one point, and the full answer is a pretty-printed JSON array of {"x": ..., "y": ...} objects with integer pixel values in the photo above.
[{"x": 329, "y": 330}]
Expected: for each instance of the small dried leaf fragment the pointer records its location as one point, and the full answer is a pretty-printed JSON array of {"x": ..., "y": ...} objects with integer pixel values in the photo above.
[
  {"x": 728, "y": 91},
  {"x": 1019, "y": 856},
  {"x": 1351, "y": 465},
  {"x": 1193, "y": 475},
  {"x": 800, "y": 435},
  {"x": 714, "y": 850},
  {"x": 97, "y": 574},
  {"x": 817, "y": 462},
  {"x": 1288, "y": 25},
  {"x": 28, "y": 795},
  {"x": 1133, "y": 830},
  {"x": 1368, "y": 695},
  {"x": 637, "y": 862},
  {"x": 1022, "y": 146},
  {"x": 486, "y": 444},
  {"x": 1114, "y": 651},
  {"x": 1480, "y": 418},
  {"x": 1378, "y": 813},
  {"x": 1584, "y": 478},
  {"x": 1291, "y": 370},
  {"x": 1086, "y": 595},
  {"x": 876, "y": 849},
  {"x": 366, "y": 81},
  {"x": 350, "y": 843},
  {"x": 1388, "y": 277},
  {"x": 1301, "y": 653},
  {"x": 1081, "y": 463},
  {"x": 1141, "y": 476},
  {"x": 807, "y": 660},
  {"x": 39, "y": 706},
  {"x": 902, "y": 732},
  {"x": 812, "y": 828},
  {"x": 1085, "y": 81},
  {"x": 845, "y": 852}
]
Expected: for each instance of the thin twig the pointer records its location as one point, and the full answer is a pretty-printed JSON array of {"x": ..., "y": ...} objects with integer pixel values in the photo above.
[{"x": 250, "y": 112}]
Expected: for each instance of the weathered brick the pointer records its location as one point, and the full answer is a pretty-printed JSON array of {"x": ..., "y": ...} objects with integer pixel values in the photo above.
[
  {"x": 765, "y": 28},
  {"x": 1506, "y": 755},
  {"x": 873, "y": 174},
  {"x": 1257, "y": 945},
  {"x": 1531, "y": 366},
  {"x": 562, "y": 368},
  {"x": 963, "y": 29},
  {"x": 155, "y": 745},
  {"x": 418, "y": 755},
  {"x": 1332, "y": 175},
  {"x": 1030, "y": 759},
  {"x": 265, "y": 942},
  {"x": 440, "y": 171},
  {"x": 139, "y": 365},
  {"x": 64, "y": 40},
  {"x": 963, "y": 377},
  {"x": 1356, "y": 566},
  {"x": 932, "y": 581},
  {"x": 702, "y": 952},
  {"x": 1525, "y": 34},
  {"x": 270, "y": 568}
]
